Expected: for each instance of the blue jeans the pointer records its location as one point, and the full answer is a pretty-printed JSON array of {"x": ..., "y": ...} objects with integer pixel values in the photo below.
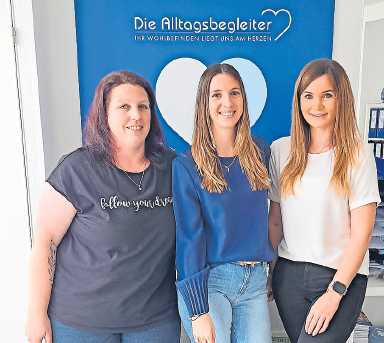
[
  {"x": 238, "y": 306},
  {"x": 163, "y": 332}
]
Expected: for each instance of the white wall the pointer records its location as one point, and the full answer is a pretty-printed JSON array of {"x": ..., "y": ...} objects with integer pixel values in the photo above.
[
  {"x": 14, "y": 233},
  {"x": 373, "y": 66},
  {"x": 55, "y": 35},
  {"x": 347, "y": 44},
  {"x": 29, "y": 100},
  {"x": 47, "y": 62},
  {"x": 353, "y": 34},
  {"x": 372, "y": 53},
  {"x": 356, "y": 35},
  {"x": 374, "y": 10}
]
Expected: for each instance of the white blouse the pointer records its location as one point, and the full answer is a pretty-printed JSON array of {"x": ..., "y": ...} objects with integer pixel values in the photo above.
[{"x": 316, "y": 220}]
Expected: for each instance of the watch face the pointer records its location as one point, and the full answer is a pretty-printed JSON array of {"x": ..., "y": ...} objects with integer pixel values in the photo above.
[{"x": 339, "y": 287}]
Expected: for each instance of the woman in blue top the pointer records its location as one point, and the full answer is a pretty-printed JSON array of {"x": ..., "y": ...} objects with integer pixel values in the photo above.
[{"x": 220, "y": 204}]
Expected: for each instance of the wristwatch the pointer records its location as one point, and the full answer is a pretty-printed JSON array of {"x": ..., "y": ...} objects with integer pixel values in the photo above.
[{"x": 338, "y": 287}]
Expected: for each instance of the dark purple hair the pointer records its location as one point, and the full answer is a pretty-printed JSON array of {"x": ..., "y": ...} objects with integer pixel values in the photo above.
[{"x": 98, "y": 136}]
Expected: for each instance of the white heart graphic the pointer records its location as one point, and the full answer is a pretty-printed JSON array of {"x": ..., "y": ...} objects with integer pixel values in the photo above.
[
  {"x": 275, "y": 13},
  {"x": 177, "y": 84}
]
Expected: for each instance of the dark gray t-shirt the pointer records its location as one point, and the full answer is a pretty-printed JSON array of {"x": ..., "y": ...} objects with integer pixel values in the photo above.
[{"x": 115, "y": 265}]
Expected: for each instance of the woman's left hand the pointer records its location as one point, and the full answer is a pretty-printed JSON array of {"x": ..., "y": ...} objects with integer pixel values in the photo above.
[{"x": 321, "y": 313}]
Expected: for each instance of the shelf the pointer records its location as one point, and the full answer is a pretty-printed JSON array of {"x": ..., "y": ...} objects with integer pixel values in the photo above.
[
  {"x": 375, "y": 287},
  {"x": 371, "y": 107},
  {"x": 375, "y": 139}
]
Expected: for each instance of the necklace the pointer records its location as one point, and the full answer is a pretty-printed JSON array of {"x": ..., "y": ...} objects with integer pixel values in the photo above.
[
  {"x": 227, "y": 166},
  {"x": 138, "y": 185}
]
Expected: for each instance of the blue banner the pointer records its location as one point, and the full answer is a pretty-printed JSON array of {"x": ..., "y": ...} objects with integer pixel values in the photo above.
[{"x": 171, "y": 42}]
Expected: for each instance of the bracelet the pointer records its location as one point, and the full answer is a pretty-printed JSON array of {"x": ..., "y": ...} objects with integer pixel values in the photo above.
[{"x": 194, "y": 317}]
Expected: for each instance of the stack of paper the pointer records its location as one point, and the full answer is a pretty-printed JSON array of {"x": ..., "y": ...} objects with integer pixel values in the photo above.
[
  {"x": 361, "y": 334},
  {"x": 280, "y": 339},
  {"x": 378, "y": 229},
  {"x": 376, "y": 246}
]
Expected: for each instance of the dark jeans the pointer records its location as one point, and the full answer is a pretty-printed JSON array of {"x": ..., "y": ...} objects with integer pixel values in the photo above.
[{"x": 297, "y": 285}]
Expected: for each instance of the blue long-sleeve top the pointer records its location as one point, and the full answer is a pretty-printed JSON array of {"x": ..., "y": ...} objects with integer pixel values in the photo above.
[{"x": 216, "y": 228}]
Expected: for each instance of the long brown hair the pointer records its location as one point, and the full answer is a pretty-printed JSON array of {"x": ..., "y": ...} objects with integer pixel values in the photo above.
[
  {"x": 98, "y": 136},
  {"x": 346, "y": 139},
  {"x": 203, "y": 147}
]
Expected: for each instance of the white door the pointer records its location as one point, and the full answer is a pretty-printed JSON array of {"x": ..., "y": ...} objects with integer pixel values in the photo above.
[{"x": 14, "y": 217}]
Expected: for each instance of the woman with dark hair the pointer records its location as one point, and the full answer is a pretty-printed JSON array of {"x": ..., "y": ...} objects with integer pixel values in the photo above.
[
  {"x": 323, "y": 201},
  {"x": 220, "y": 203},
  {"x": 106, "y": 217}
]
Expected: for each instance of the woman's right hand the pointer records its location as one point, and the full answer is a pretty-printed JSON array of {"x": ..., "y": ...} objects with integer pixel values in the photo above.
[
  {"x": 38, "y": 328},
  {"x": 203, "y": 329},
  {"x": 269, "y": 288}
]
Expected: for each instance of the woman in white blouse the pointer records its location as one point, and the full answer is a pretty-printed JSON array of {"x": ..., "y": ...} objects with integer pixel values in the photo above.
[{"x": 323, "y": 202}]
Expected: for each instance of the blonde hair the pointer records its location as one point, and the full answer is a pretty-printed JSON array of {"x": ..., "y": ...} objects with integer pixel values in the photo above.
[
  {"x": 346, "y": 139},
  {"x": 203, "y": 144}
]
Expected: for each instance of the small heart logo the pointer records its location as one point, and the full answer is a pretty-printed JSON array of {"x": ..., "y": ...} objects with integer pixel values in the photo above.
[
  {"x": 176, "y": 89},
  {"x": 275, "y": 13}
]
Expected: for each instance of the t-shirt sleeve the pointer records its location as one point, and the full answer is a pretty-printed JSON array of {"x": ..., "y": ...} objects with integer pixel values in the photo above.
[
  {"x": 64, "y": 179},
  {"x": 274, "y": 174},
  {"x": 364, "y": 186},
  {"x": 191, "y": 265}
]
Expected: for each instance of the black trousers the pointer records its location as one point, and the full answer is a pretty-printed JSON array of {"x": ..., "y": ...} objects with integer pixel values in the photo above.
[{"x": 297, "y": 285}]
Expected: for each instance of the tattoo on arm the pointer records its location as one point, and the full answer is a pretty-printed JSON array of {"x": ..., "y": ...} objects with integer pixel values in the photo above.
[{"x": 51, "y": 261}]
